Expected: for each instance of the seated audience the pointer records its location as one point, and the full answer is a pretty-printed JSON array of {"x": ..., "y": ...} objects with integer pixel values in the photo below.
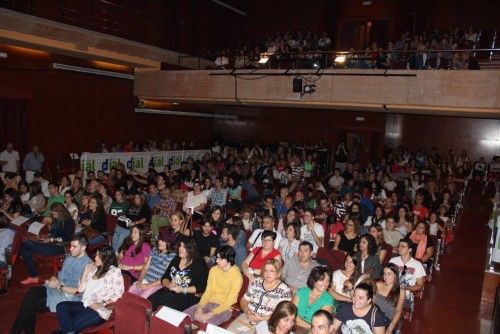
[
  {"x": 58, "y": 289},
  {"x": 420, "y": 237},
  {"x": 134, "y": 253},
  {"x": 297, "y": 269},
  {"x": 412, "y": 273},
  {"x": 137, "y": 214},
  {"x": 348, "y": 239},
  {"x": 95, "y": 223},
  {"x": 282, "y": 320},
  {"x": 254, "y": 262},
  {"x": 101, "y": 283},
  {"x": 312, "y": 231},
  {"x": 162, "y": 210},
  {"x": 177, "y": 229},
  {"x": 195, "y": 201},
  {"x": 390, "y": 297},
  {"x": 322, "y": 323},
  {"x": 223, "y": 286},
  {"x": 61, "y": 227},
  {"x": 314, "y": 297},
  {"x": 184, "y": 280},
  {"x": 368, "y": 261},
  {"x": 289, "y": 246},
  {"x": 345, "y": 280},
  {"x": 261, "y": 298},
  {"x": 149, "y": 280},
  {"x": 207, "y": 242},
  {"x": 391, "y": 234},
  {"x": 255, "y": 240},
  {"x": 6, "y": 239},
  {"x": 229, "y": 236},
  {"x": 361, "y": 314},
  {"x": 378, "y": 233}
]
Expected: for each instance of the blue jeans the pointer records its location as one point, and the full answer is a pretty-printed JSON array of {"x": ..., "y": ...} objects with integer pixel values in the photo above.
[
  {"x": 73, "y": 317},
  {"x": 97, "y": 240},
  {"x": 119, "y": 236},
  {"x": 30, "y": 248}
]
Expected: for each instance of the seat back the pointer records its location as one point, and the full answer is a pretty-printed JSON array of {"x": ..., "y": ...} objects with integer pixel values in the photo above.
[
  {"x": 132, "y": 314},
  {"x": 158, "y": 326},
  {"x": 335, "y": 258},
  {"x": 388, "y": 255}
]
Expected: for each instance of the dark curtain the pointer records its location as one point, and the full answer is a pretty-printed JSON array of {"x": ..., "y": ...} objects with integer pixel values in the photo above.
[{"x": 13, "y": 123}]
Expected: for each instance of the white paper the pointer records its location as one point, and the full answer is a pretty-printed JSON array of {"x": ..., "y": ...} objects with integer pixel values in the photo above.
[
  {"x": 35, "y": 228},
  {"x": 262, "y": 327},
  {"x": 19, "y": 220},
  {"x": 211, "y": 329},
  {"x": 171, "y": 316}
]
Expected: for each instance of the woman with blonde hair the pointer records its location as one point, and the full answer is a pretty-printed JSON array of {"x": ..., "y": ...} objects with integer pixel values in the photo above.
[{"x": 261, "y": 298}]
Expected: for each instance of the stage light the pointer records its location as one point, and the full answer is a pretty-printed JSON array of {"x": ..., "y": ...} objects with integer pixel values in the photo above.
[
  {"x": 263, "y": 59},
  {"x": 309, "y": 89},
  {"x": 315, "y": 64},
  {"x": 340, "y": 59},
  {"x": 3, "y": 55}
]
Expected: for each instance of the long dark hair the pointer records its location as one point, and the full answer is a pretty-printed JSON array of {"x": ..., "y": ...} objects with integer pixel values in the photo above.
[
  {"x": 284, "y": 309},
  {"x": 395, "y": 290},
  {"x": 191, "y": 248},
  {"x": 108, "y": 258},
  {"x": 99, "y": 210},
  {"x": 63, "y": 212},
  {"x": 372, "y": 243},
  {"x": 128, "y": 241}
]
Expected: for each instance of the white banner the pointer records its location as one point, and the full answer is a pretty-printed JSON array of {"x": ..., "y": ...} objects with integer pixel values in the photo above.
[{"x": 137, "y": 161}]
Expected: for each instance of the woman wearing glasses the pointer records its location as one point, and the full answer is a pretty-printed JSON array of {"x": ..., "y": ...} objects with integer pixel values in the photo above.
[{"x": 347, "y": 240}]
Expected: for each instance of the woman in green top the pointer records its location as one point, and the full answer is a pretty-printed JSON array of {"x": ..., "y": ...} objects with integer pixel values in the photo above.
[
  {"x": 120, "y": 206},
  {"x": 314, "y": 297},
  {"x": 309, "y": 166}
]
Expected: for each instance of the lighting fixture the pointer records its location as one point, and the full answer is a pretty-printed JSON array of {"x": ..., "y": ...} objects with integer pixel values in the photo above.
[
  {"x": 340, "y": 59},
  {"x": 184, "y": 113},
  {"x": 309, "y": 89},
  {"x": 3, "y": 55},
  {"x": 263, "y": 59},
  {"x": 94, "y": 71}
]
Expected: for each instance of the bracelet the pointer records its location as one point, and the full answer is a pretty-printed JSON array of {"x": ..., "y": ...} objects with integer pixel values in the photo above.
[{"x": 184, "y": 290}]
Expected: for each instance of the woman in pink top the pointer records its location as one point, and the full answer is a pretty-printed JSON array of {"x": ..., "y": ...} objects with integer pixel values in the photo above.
[{"x": 134, "y": 253}]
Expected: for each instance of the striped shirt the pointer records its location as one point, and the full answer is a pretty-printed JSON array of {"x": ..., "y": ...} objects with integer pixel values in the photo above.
[{"x": 158, "y": 265}]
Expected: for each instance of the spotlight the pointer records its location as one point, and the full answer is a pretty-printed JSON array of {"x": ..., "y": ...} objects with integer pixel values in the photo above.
[
  {"x": 263, "y": 59},
  {"x": 340, "y": 59},
  {"x": 309, "y": 89},
  {"x": 315, "y": 64}
]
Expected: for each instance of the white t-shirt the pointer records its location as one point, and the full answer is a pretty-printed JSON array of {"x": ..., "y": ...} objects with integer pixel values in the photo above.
[
  {"x": 433, "y": 229},
  {"x": 414, "y": 270},
  {"x": 11, "y": 158},
  {"x": 307, "y": 235},
  {"x": 192, "y": 200},
  {"x": 257, "y": 234}
]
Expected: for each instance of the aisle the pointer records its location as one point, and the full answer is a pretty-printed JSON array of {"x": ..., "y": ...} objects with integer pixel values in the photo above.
[{"x": 452, "y": 299}]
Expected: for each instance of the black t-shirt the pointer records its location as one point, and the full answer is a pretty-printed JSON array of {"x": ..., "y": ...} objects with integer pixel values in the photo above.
[
  {"x": 205, "y": 243},
  {"x": 196, "y": 274},
  {"x": 135, "y": 213},
  {"x": 351, "y": 323}
]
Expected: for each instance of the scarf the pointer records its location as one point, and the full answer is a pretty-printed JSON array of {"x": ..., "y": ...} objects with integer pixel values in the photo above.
[{"x": 421, "y": 241}]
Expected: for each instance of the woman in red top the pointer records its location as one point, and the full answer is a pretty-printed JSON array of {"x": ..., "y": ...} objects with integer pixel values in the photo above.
[{"x": 255, "y": 261}]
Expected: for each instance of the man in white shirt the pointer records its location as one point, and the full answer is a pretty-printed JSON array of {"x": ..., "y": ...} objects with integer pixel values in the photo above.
[
  {"x": 411, "y": 271},
  {"x": 324, "y": 42},
  {"x": 195, "y": 201},
  {"x": 9, "y": 159},
  {"x": 312, "y": 231},
  {"x": 255, "y": 240}
]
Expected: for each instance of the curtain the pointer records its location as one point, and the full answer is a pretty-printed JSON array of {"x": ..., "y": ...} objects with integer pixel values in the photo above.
[{"x": 13, "y": 123}]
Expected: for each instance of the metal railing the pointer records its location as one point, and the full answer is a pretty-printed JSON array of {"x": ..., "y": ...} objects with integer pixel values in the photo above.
[{"x": 361, "y": 59}]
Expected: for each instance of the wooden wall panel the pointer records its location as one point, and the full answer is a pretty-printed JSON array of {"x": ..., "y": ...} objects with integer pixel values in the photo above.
[{"x": 481, "y": 137}]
